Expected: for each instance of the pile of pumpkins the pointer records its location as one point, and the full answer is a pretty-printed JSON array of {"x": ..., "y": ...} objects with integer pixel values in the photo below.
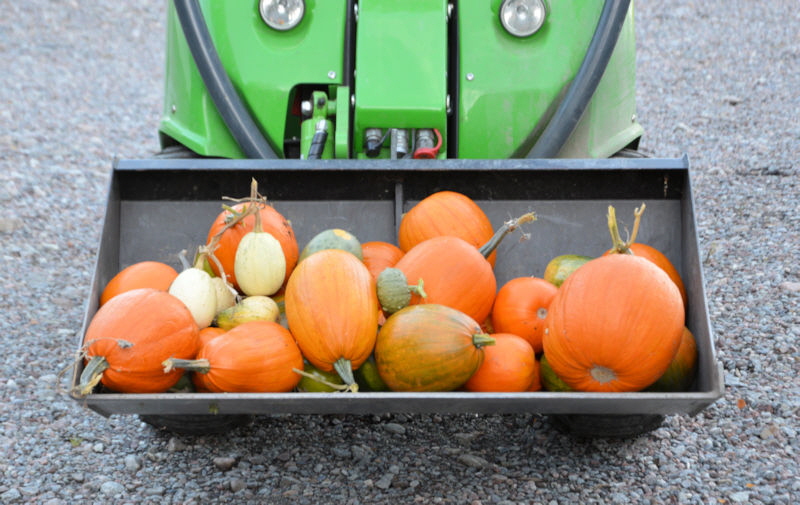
[{"x": 254, "y": 313}]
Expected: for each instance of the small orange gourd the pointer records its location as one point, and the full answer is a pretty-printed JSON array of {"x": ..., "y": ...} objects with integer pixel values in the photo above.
[
  {"x": 508, "y": 366},
  {"x": 446, "y": 213},
  {"x": 379, "y": 255},
  {"x": 144, "y": 274},
  {"x": 208, "y": 333},
  {"x": 520, "y": 308}
]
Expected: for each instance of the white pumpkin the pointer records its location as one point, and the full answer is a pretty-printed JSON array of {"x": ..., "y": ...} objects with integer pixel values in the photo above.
[
  {"x": 195, "y": 289},
  {"x": 259, "y": 265}
]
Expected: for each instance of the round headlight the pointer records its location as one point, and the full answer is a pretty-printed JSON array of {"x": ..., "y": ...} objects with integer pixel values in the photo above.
[
  {"x": 282, "y": 14},
  {"x": 522, "y": 17}
]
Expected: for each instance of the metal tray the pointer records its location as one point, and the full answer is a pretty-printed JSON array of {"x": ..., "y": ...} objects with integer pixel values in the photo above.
[{"x": 156, "y": 208}]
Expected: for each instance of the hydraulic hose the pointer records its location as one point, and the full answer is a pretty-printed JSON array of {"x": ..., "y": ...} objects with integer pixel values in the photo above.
[
  {"x": 227, "y": 101},
  {"x": 582, "y": 88}
]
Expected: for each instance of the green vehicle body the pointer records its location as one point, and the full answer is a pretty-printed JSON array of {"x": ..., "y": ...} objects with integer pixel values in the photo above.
[{"x": 488, "y": 94}]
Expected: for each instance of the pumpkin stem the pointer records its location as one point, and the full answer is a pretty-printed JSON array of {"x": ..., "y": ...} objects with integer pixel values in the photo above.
[
  {"x": 504, "y": 230},
  {"x": 620, "y": 246},
  {"x": 481, "y": 339},
  {"x": 192, "y": 365},
  {"x": 418, "y": 289},
  {"x": 91, "y": 375},
  {"x": 184, "y": 260},
  {"x": 345, "y": 370},
  {"x": 337, "y": 387},
  {"x": 254, "y": 199}
]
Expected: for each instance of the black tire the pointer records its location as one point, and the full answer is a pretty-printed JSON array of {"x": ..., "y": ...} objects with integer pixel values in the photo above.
[
  {"x": 188, "y": 424},
  {"x": 175, "y": 152},
  {"x": 605, "y": 426}
]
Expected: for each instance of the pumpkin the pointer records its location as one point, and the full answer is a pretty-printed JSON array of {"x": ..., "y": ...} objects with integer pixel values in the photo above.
[
  {"x": 254, "y": 357},
  {"x": 259, "y": 263},
  {"x": 144, "y": 274},
  {"x": 380, "y": 255},
  {"x": 394, "y": 292},
  {"x": 229, "y": 236},
  {"x": 455, "y": 273},
  {"x": 332, "y": 311},
  {"x": 445, "y": 213},
  {"x": 429, "y": 347},
  {"x": 314, "y": 380},
  {"x": 614, "y": 325},
  {"x": 195, "y": 288},
  {"x": 333, "y": 238},
  {"x": 643, "y": 250},
  {"x": 208, "y": 333},
  {"x": 250, "y": 308},
  {"x": 559, "y": 268},
  {"x": 551, "y": 381},
  {"x": 129, "y": 337},
  {"x": 368, "y": 378},
  {"x": 521, "y": 308},
  {"x": 508, "y": 366},
  {"x": 683, "y": 368}
]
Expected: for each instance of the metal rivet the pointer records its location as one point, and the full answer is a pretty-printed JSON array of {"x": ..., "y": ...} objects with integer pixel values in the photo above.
[
  {"x": 633, "y": 118},
  {"x": 332, "y": 74},
  {"x": 447, "y": 105},
  {"x": 174, "y": 109},
  {"x": 352, "y": 100},
  {"x": 470, "y": 76}
]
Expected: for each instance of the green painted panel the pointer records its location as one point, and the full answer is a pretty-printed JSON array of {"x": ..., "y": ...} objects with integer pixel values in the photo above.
[
  {"x": 264, "y": 65},
  {"x": 401, "y": 66},
  {"x": 508, "y": 84}
]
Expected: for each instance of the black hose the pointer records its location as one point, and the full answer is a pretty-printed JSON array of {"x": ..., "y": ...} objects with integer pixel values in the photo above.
[
  {"x": 318, "y": 141},
  {"x": 582, "y": 88},
  {"x": 227, "y": 101}
]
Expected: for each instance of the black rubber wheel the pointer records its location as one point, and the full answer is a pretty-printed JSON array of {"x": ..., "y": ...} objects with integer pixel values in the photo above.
[
  {"x": 197, "y": 424},
  {"x": 605, "y": 426},
  {"x": 176, "y": 151}
]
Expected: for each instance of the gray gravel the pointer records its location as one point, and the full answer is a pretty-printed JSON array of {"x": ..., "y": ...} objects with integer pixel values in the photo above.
[{"x": 719, "y": 80}]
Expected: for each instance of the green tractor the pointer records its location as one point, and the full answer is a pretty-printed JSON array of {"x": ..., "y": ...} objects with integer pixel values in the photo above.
[{"x": 384, "y": 79}]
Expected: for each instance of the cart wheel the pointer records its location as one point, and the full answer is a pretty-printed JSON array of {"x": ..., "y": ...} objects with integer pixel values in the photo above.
[
  {"x": 176, "y": 151},
  {"x": 197, "y": 424},
  {"x": 606, "y": 426}
]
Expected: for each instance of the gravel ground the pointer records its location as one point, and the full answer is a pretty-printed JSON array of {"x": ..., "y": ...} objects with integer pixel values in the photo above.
[{"x": 719, "y": 80}]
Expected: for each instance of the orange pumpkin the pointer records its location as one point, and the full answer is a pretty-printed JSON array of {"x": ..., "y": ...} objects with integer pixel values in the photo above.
[
  {"x": 521, "y": 308},
  {"x": 429, "y": 348},
  {"x": 254, "y": 357},
  {"x": 508, "y": 366},
  {"x": 332, "y": 311},
  {"x": 643, "y": 250},
  {"x": 144, "y": 274},
  {"x": 272, "y": 222},
  {"x": 445, "y": 213},
  {"x": 208, "y": 333},
  {"x": 614, "y": 325},
  {"x": 380, "y": 255},
  {"x": 455, "y": 273},
  {"x": 129, "y": 337}
]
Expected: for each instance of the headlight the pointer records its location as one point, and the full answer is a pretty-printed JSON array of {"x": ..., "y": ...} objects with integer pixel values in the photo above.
[
  {"x": 282, "y": 14},
  {"x": 522, "y": 17}
]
